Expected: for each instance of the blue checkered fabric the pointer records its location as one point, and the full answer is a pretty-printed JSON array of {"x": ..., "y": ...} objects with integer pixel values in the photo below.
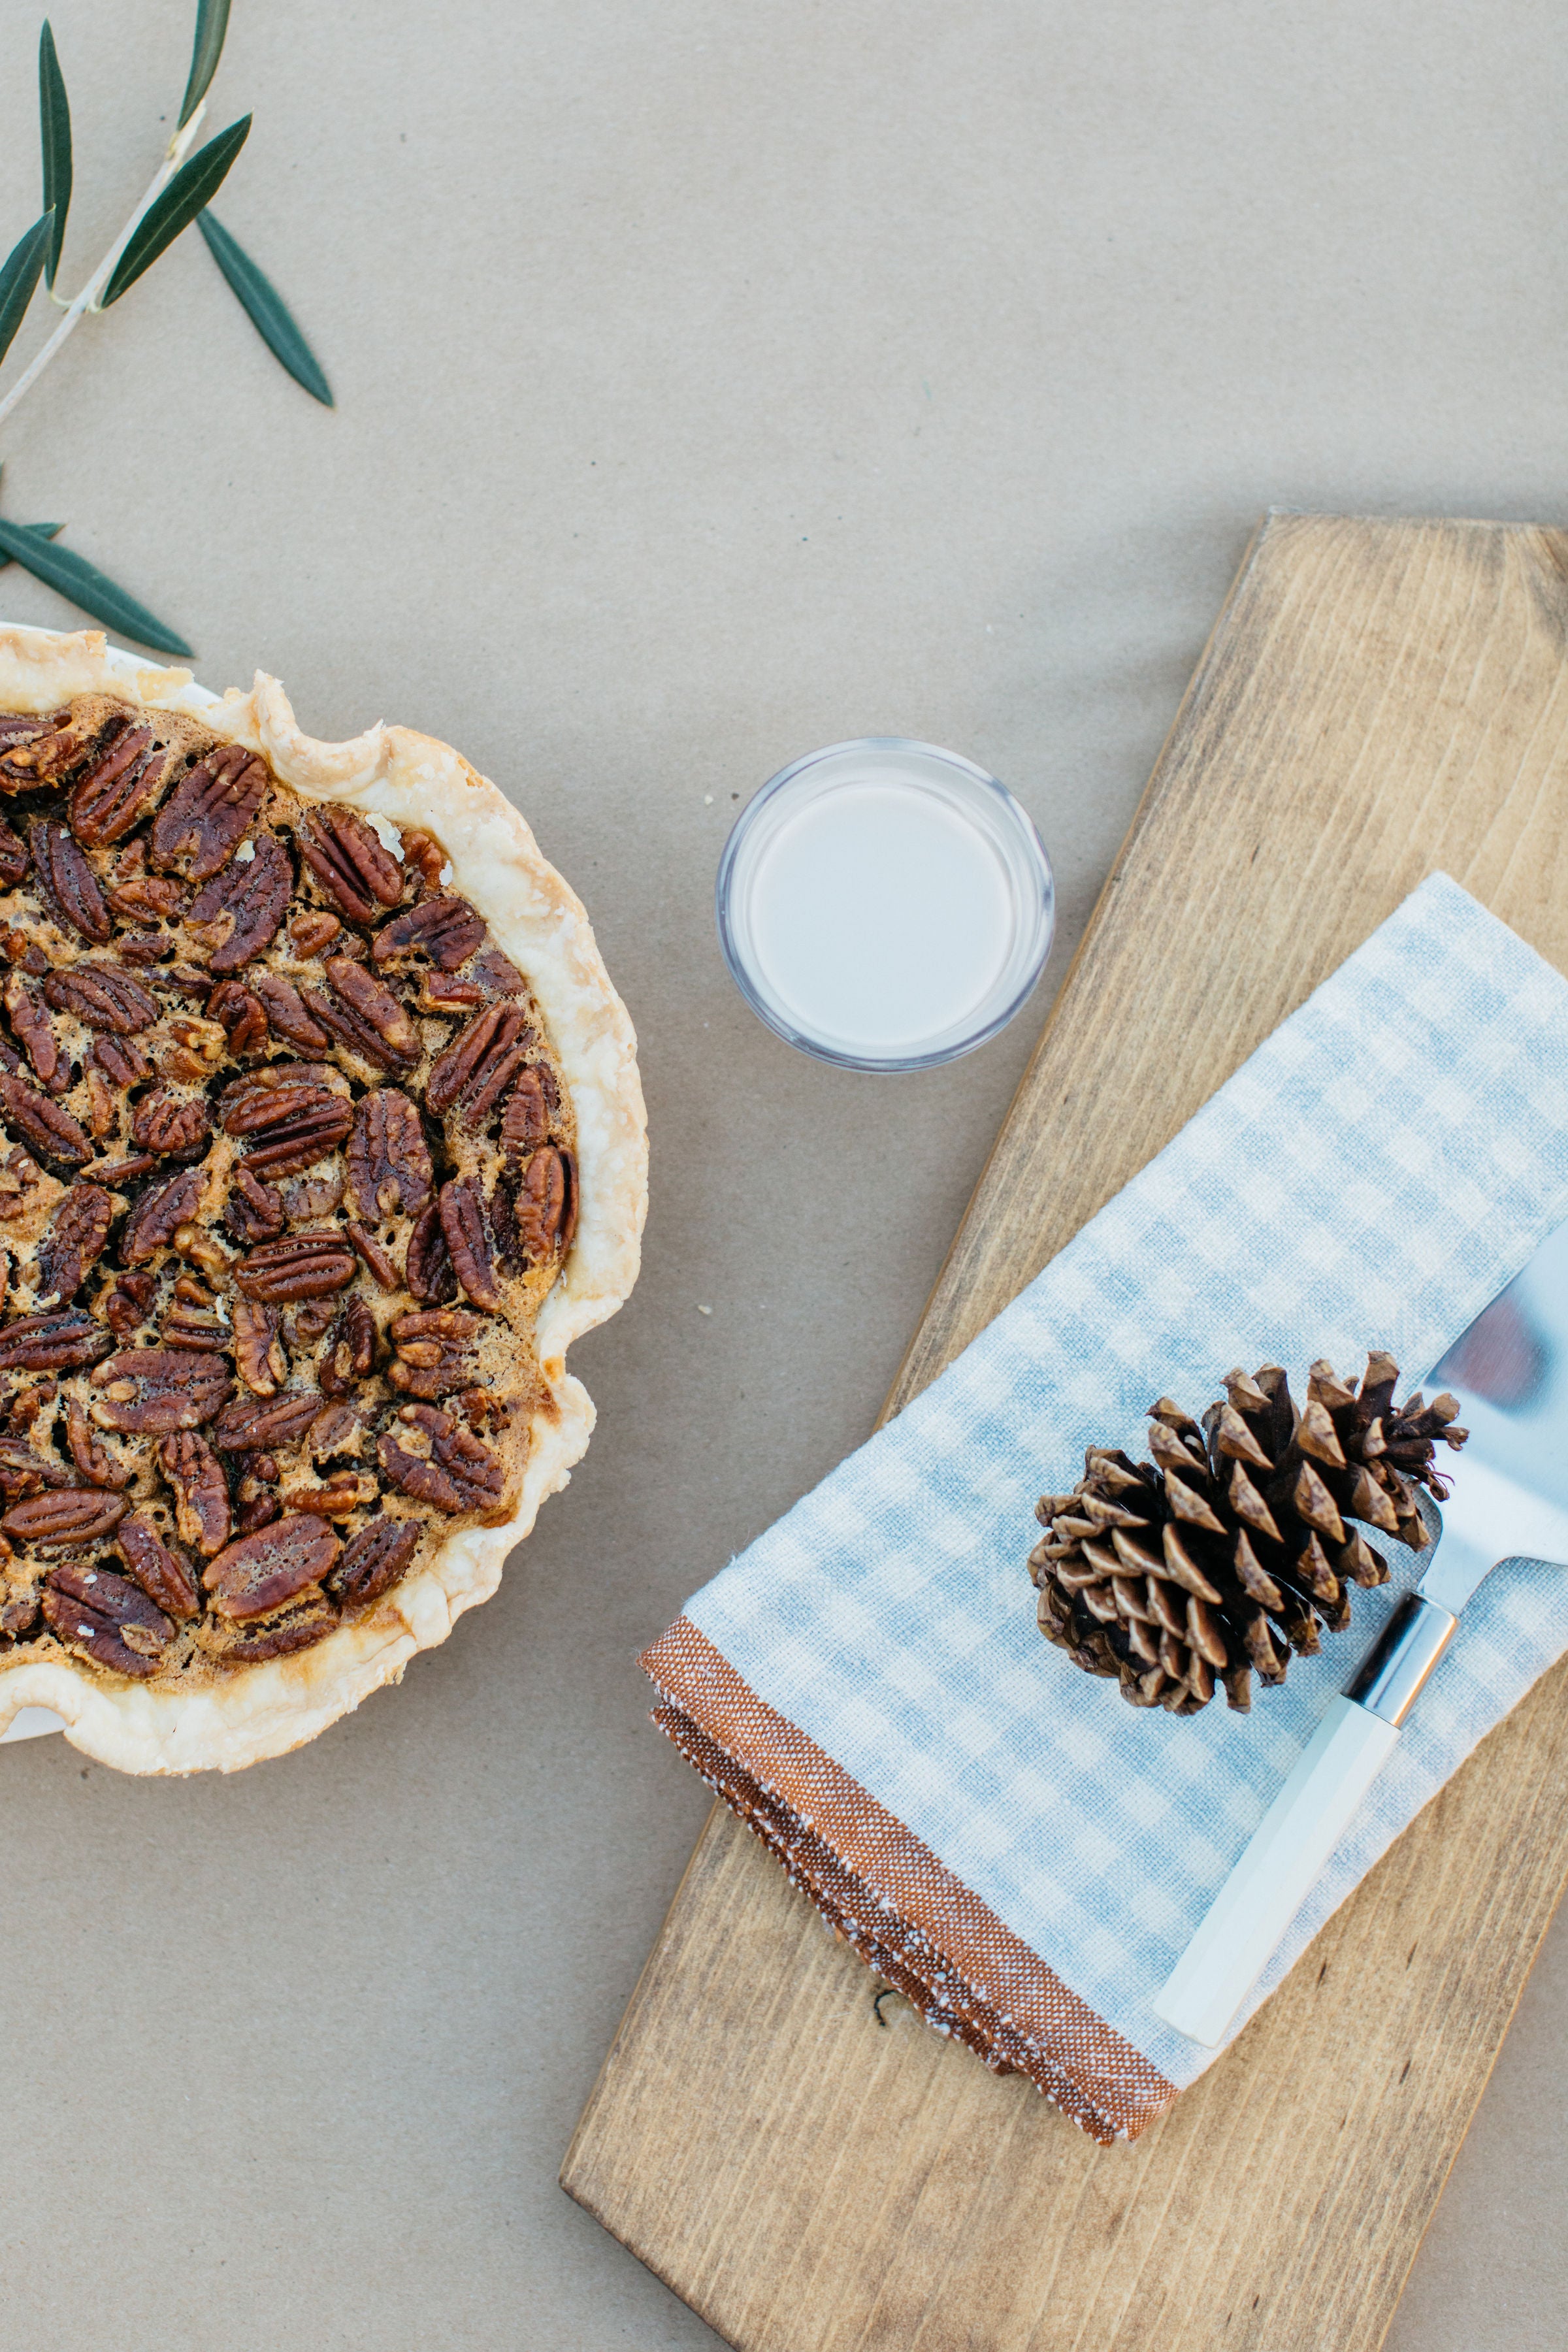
[{"x": 1376, "y": 1172}]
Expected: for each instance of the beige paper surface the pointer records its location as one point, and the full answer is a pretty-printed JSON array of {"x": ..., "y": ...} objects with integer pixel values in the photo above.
[{"x": 714, "y": 383}]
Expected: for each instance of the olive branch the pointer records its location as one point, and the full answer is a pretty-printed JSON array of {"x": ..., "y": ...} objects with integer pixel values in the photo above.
[{"x": 183, "y": 187}]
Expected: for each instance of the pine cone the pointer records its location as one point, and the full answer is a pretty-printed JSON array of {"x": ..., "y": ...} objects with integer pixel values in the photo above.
[{"x": 1225, "y": 1553}]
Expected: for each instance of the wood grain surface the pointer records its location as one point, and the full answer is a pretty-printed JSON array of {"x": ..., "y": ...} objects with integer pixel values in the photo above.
[{"x": 1378, "y": 700}]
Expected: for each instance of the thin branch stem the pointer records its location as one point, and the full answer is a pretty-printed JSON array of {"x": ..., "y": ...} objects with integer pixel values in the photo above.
[{"x": 87, "y": 300}]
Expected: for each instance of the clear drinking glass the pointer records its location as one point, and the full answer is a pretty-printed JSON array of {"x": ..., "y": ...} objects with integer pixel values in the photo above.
[{"x": 885, "y": 905}]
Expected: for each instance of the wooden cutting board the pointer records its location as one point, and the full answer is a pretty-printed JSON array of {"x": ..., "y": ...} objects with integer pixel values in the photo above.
[{"x": 1378, "y": 699}]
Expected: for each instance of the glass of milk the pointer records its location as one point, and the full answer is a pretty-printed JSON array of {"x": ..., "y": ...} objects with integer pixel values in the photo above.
[{"x": 885, "y": 905}]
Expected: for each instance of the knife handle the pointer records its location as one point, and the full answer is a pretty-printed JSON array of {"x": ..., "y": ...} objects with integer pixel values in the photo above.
[
  {"x": 1268, "y": 1885},
  {"x": 1303, "y": 1826}
]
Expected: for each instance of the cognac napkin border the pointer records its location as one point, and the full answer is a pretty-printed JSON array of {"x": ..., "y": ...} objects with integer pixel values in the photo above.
[{"x": 1000, "y": 1836}]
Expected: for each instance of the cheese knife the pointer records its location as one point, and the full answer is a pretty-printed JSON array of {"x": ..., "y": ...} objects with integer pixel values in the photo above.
[{"x": 1509, "y": 1501}]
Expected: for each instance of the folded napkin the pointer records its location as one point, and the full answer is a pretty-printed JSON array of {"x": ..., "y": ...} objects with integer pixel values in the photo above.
[{"x": 997, "y": 1834}]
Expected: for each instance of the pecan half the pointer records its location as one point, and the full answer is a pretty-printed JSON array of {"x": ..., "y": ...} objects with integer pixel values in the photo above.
[
  {"x": 431, "y": 1456},
  {"x": 102, "y": 1108},
  {"x": 469, "y": 1241},
  {"x": 242, "y": 1016},
  {"x": 287, "y": 1119},
  {"x": 159, "y": 1215},
  {"x": 311, "y": 932},
  {"x": 146, "y": 898},
  {"x": 263, "y": 1571},
  {"x": 337, "y": 1498},
  {"x": 296, "y": 1265},
  {"x": 33, "y": 1031},
  {"x": 389, "y": 1160},
  {"x": 69, "y": 1516},
  {"x": 434, "y": 1352},
  {"x": 51, "y": 1130},
  {"x": 23, "y": 1472},
  {"x": 201, "y": 1491},
  {"x": 280, "y": 1002},
  {"x": 259, "y": 1356},
  {"x": 275, "y": 1090},
  {"x": 74, "y": 1242},
  {"x": 123, "y": 1064},
  {"x": 152, "y": 1390},
  {"x": 257, "y": 1424},
  {"x": 445, "y": 930},
  {"x": 93, "y": 1459},
  {"x": 362, "y": 1013},
  {"x": 163, "y": 1574},
  {"x": 20, "y": 1177},
  {"x": 209, "y": 812},
  {"x": 296, "y": 1632},
  {"x": 104, "y": 995},
  {"x": 480, "y": 1063},
  {"x": 525, "y": 1121},
  {"x": 173, "y": 1129},
  {"x": 376, "y": 1558},
  {"x": 427, "y": 1267},
  {"x": 546, "y": 1207},
  {"x": 237, "y": 913},
  {"x": 68, "y": 882},
  {"x": 108, "y": 1616},
  {"x": 350, "y": 1354},
  {"x": 349, "y": 860},
  {"x": 122, "y": 782},
  {"x": 443, "y": 991},
  {"x": 52, "y": 1343}
]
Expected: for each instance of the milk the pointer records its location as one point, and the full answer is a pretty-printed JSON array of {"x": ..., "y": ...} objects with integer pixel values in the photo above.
[
  {"x": 884, "y": 904},
  {"x": 881, "y": 916}
]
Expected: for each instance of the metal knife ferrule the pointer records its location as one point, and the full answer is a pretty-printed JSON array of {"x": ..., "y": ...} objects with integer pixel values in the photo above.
[{"x": 1412, "y": 1642}]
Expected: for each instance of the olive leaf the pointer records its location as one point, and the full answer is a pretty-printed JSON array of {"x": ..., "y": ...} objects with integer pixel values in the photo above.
[
  {"x": 55, "y": 137},
  {"x": 72, "y": 576},
  {"x": 212, "y": 24},
  {"x": 266, "y": 308},
  {"x": 196, "y": 182},
  {"x": 19, "y": 275},
  {"x": 39, "y": 531}
]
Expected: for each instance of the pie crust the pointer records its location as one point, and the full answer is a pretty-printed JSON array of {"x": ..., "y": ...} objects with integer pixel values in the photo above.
[{"x": 395, "y": 779}]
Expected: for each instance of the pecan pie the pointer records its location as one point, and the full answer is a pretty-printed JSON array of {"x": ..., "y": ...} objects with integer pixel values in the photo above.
[{"x": 321, "y": 1138}]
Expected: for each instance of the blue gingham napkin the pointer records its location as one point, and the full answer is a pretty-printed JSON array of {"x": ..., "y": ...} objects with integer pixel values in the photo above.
[{"x": 1373, "y": 1174}]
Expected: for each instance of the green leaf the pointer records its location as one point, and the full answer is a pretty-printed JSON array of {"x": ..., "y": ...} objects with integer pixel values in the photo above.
[
  {"x": 212, "y": 24},
  {"x": 196, "y": 183},
  {"x": 18, "y": 276},
  {"x": 55, "y": 136},
  {"x": 84, "y": 584},
  {"x": 266, "y": 308},
  {"x": 39, "y": 531}
]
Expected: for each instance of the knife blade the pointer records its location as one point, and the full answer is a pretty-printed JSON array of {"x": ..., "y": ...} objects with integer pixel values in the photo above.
[{"x": 1509, "y": 1501}]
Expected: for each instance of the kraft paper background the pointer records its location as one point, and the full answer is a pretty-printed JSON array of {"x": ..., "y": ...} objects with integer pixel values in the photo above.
[{"x": 714, "y": 383}]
